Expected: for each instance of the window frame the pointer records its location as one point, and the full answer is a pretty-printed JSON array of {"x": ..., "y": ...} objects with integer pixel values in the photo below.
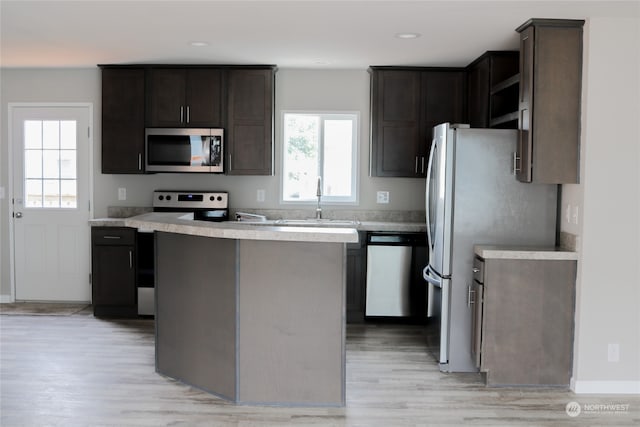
[{"x": 355, "y": 160}]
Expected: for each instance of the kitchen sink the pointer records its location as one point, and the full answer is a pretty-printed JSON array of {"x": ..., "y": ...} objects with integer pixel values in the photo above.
[{"x": 311, "y": 222}]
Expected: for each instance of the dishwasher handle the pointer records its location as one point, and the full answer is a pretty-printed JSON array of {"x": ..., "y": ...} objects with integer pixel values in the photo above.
[{"x": 374, "y": 239}]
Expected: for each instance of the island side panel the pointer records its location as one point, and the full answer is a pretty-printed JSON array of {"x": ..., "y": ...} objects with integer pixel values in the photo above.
[
  {"x": 196, "y": 311},
  {"x": 291, "y": 323}
]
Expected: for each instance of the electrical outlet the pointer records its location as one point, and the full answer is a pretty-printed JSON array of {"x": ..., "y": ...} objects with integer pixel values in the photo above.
[
  {"x": 574, "y": 216},
  {"x": 260, "y": 195},
  {"x": 567, "y": 213},
  {"x": 382, "y": 197},
  {"x": 122, "y": 193},
  {"x": 613, "y": 353}
]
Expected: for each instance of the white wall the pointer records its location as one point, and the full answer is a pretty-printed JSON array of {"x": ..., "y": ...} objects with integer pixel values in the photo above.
[
  {"x": 31, "y": 85},
  {"x": 295, "y": 90},
  {"x": 608, "y": 288}
]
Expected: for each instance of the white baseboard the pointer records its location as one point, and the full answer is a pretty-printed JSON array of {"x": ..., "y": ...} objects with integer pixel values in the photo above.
[
  {"x": 605, "y": 387},
  {"x": 4, "y": 299}
]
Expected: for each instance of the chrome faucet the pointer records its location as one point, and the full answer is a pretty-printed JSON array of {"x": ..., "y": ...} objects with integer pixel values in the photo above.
[{"x": 319, "y": 194}]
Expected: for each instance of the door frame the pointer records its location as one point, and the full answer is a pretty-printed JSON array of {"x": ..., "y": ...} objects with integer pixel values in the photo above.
[{"x": 11, "y": 107}]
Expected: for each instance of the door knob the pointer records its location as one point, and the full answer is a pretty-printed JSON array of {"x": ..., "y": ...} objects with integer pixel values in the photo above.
[{"x": 18, "y": 215}]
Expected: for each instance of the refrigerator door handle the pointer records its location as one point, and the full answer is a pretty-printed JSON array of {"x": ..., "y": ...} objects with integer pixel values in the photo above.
[
  {"x": 428, "y": 198},
  {"x": 426, "y": 274}
]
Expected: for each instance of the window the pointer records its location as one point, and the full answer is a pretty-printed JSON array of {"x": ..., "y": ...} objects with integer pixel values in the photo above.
[
  {"x": 50, "y": 172},
  {"x": 320, "y": 146}
]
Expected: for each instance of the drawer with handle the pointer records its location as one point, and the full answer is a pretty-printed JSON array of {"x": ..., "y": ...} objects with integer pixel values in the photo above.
[{"x": 113, "y": 236}]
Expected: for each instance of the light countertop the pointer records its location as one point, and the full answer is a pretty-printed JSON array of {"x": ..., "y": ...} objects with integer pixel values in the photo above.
[
  {"x": 523, "y": 252},
  {"x": 270, "y": 230},
  {"x": 171, "y": 222}
]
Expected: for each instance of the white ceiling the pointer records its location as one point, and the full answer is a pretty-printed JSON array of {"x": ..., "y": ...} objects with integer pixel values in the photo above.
[{"x": 291, "y": 34}]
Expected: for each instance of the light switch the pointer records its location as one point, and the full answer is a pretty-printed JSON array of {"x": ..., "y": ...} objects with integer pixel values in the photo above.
[
  {"x": 122, "y": 194},
  {"x": 613, "y": 353},
  {"x": 260, "y": 194}
]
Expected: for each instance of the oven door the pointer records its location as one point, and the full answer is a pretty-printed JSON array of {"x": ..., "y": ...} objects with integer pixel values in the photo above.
[{"x": 179, "y": 150}]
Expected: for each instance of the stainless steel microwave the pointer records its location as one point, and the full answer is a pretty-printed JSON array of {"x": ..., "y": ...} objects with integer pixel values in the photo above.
[{"x": 184, "y": 150}]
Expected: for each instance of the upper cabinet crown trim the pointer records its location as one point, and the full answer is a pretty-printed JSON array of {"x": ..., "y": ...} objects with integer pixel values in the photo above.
[{"x": 551, "y": 23}]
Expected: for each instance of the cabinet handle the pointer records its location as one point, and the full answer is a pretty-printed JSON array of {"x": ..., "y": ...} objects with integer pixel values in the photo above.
[
  {"x": 422, "y": 159},
  {"x": 111, "y": 237},
  {"x": 476, "y": 270},
  {"x": 188, "y": 114},
  {"x": 230, "y": 162},
  {"x": 130, "y": 259},
  {"x": 416, "y": 169},
  {"x": 469, "y": 294},
  {"x": 516, "y": 160},
  {"x": 181, "y": 114},
  {"x": 139, "y": 161}
]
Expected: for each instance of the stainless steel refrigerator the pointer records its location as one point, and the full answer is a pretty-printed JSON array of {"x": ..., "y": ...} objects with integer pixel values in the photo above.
[{"x": 472, "y": 197}]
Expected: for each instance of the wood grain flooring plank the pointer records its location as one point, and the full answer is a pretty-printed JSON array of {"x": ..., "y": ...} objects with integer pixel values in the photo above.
[{"x": 78, "y": 370}]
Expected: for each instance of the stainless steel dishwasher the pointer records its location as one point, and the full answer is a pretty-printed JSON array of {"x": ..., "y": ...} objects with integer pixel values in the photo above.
[{"x": 389, "y": 266}]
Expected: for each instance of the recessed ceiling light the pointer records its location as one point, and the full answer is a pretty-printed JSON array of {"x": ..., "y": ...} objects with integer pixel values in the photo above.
[
  {"x": 198, "y": 44},
  {"x": 407, "y": 35}
]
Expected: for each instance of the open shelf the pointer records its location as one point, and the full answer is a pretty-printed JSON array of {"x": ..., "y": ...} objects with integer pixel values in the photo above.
[
  {"x": 503, "y": 100},
  {"x": 513, "y": 80},
  {"x": 502, "y": 120}
]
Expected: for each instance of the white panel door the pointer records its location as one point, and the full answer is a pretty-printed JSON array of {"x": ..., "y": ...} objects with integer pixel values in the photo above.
[{"x": 50, "y": 148}]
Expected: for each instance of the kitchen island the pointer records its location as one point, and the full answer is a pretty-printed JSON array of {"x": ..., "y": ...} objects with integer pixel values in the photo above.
[{"x": 254, "y": 314}]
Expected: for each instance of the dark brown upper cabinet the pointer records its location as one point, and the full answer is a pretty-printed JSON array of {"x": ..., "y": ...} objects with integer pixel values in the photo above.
[
  {"x": 406, "y": 103},
  {"x": 250, "y": 107},
  {"x": 492, "y": 90},
  {"x": 184, "y": 97},
  {"x": 123, "y": 107},
  {"x": 548, "y": 149}
]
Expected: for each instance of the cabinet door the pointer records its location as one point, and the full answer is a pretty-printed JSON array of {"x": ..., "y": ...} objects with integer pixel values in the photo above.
[
  {"x": 478, "y": 83},
  {"x": 356, "y": 273},
  {"x": 418, "y": 286},
  {"x": 395, "y": 145},
  {"x": 444, "y": 101},
  {"x": 524, "y": 147},
  {"x": 557, "y": 88},
  {"x": 122, "y": 120},
  {"x": 113, "y": 275},
  {"x": 250, "y": 122},
  {"x": 203, "y": 102},
  {"x": 166, "y": 97},
  {"x": 476, "y": 295}
]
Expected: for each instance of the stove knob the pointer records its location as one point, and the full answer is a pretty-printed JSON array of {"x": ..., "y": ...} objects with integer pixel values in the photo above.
[
  {"x": 168, "y": 197},
  {"x": 161, "y": 197},
  {"x": 219, "y": 198},
  {"x": 211, "y": 198}
]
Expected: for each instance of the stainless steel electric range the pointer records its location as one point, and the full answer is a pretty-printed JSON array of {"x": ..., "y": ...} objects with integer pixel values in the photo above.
[{"x": 205, "y": 205}]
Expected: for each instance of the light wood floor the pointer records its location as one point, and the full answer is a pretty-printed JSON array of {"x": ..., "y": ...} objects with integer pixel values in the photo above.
[{"x": 77, "y": 370}]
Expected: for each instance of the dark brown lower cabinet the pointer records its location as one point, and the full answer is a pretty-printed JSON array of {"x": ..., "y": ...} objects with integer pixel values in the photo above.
[
  {"x": 356, "y": 278},
  {"x": 523, "y": 320},
  {"x": 113, "y": 277}
]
